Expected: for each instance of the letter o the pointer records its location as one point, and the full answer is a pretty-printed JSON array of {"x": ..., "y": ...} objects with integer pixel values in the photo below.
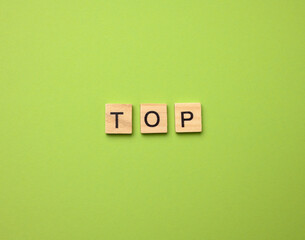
[{"x": 152, "y": 125}]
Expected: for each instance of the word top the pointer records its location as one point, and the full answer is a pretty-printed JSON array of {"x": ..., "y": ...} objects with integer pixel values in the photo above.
[{"x": 118, "y": 118}]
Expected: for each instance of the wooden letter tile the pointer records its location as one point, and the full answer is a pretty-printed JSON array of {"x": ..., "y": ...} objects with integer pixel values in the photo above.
[
  {"x": 188, "y": 117},
  {"x": 153, "y": 118},
  {"x": 118, "y": 119}
]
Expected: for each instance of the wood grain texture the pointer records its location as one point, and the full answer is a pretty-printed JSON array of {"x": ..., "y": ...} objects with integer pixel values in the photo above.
[
  {"x": 124, "y": 123},
  {"x": 149, "y": 113},
  {"x": 193, "y": 125}
]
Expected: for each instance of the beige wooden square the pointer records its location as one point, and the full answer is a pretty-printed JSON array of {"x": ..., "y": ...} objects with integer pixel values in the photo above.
[
  {"x": 188, "y": 117},
  {"x": 118, "y": 119},
  {"x": 153, "y": 118}
]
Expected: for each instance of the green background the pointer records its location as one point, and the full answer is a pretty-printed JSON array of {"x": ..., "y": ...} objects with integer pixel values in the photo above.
[{"x": 61, "y": 177}]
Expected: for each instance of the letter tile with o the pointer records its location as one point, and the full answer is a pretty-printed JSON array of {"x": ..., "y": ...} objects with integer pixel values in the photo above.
[{"x": 153, "y": 118}]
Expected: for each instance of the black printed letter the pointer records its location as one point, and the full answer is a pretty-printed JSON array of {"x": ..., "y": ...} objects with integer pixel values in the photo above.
[
  {"x": 186, "y": 119},
  {"x": 152, "y": 125},
  {"x": 116, "y": 118}
]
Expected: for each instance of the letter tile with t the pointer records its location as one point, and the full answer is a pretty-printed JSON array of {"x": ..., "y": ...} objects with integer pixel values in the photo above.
[{"x": 118, "y": 119}]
